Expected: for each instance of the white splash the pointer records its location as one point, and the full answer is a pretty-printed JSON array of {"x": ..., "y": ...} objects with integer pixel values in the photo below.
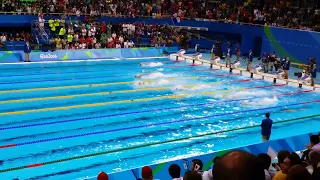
[
  {"x": 200, "y": 87},
  {"x": 160, "y": 69},
  {"x": 241, "y": 94},
  {"x": 151, "y": 64},
  {"x": 154, "y": 75},
  {"x": 262, "y": 102}
]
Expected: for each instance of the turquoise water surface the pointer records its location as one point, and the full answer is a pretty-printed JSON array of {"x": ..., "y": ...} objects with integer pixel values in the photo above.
[{"x": 73, "y": 120}]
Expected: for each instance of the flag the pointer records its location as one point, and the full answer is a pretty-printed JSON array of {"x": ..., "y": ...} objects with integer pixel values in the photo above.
[{"x": 273, "y": 155}]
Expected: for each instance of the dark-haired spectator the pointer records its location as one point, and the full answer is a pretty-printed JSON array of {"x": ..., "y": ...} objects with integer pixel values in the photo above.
[
  {"x": 266, "y": 126},
  {"x": 192, "y": 175},
  {"x": 103, "y": 176},
  {"x": 174, "y": 171},
  {"x": 289, "y": 161},
  {"x": 265, "y": 160},
  {"x": 314, "y": 139},
  {"x": 298, "y": 172},
  {"x": 197, "y": 166},
  {"x": 238, "y": 165},
  {"x": 314, "y": 160}
]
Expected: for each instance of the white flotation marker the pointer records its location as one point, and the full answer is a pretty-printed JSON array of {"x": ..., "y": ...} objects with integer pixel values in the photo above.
[
  {"x": 197, "y": 56},
  {"x": 235, "y": 64},
  {"x": 280, "y": 74},
  {"x": 216, "y": 60},
  {"x": 257, "y": 68},
  {"x": 304, "y": 79},
  {"x": 181, "y": 52}
]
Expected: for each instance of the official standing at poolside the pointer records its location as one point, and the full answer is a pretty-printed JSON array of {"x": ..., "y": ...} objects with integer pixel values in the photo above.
[
  {"x": 250, "y": 59},
  {"x": 266, "y": 126},
  {"x": 228, "y": 58},
  {"x": 27, "y": 50},
  {"x": 313, "y": 74},
  {"x": 286, "y": 67}
]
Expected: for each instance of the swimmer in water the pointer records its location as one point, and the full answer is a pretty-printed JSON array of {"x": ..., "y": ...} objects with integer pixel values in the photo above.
[
  {"x": 146, "y": 71},
  {"x": 138, "y": 75}
]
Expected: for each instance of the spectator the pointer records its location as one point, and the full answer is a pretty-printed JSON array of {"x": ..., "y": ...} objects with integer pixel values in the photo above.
[
  {"x": 3, "y": 37},
  {"x": 238, "y": 165},
  {"x": 174, "y": 171},
  {"x": 197, "y": 166},
  {"x": 103, "y": 176},
  {"x": 314, "y": 160},
  {"x": 314, "y": 139},
  {"x": 266, "y": 126},
  {"x": 27, "y": 51},
  {"x": 147, "y": 173},
  {"x": 289, "y": 161},
  {"x": 298, "y": 172},
  {"x": 36, "y": 42},
  {"x": 265, "y": 160},
  {"x": 191, "y": 175}
]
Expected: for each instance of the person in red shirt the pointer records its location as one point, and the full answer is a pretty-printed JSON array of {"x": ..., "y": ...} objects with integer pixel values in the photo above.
[
  {"x": 89, "y": 40},
  {"x": 210, "y": 15},
  {"x": 82, "y": 40},
  {"x": 103, "y": 27}
]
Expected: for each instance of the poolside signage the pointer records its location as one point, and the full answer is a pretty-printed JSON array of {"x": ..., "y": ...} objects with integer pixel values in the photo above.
[{"x": 48, "y": 56}]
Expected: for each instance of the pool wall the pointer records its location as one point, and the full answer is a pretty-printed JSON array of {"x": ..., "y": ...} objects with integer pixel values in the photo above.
[
  {"x": 160, "y": 171},
  {"x": 85, "y": 54}
]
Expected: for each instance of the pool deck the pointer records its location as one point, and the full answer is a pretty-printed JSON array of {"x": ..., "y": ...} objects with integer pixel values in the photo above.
[{"x": 242, "y": 71}]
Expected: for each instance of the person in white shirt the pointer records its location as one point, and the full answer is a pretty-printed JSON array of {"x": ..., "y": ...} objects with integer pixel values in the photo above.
[
  {"x": 97, "y": 45},
  {"x": 174, "y": 171},
  {"x": 3, "y": 38},
  {"x": 131, "y": 44},
  {"x": 114, "y": 35},
  {"x": 70, "y": 30},
  {"x": 124, "y": 28},
  {"x": 110, "y": 39},
  {"x": 93, "y": 30},
  {"x": 76, "y": 37},
  {"x": 126, "y": 44},
  {"x": 84, "y": 32},
  {"x": 121, "y": 39},
  {"x": 78, "y": 13},
  {"x": 118, "y": 45},
  {"x": 83, "y": 46},
  {"x": 89, "y": 32}
]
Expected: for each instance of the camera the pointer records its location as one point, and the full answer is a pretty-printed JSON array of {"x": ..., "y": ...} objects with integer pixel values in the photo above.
[{"x": 298, "y": 74}]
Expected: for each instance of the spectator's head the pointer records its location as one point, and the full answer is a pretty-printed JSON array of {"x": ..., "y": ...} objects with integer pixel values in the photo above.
[
  {"x": 267, "y": 115},
  {"x": 314, "y": 139},
  {"x": 238, "y": 165},
  {"x": 192, "y": 175},
  {"x": 196, "y": 165},
  {"x": 265, "y": 160},
  {"x": 282, "y": 155},
  {"x": 314, "y": 158},
  {"x": 298, "y": 172},
  {"x": 174, "y": 171},
  {"x": 103, "y": 176},
  {"x": 289, "y": 161},
  {"x": 147, "y": 173}
]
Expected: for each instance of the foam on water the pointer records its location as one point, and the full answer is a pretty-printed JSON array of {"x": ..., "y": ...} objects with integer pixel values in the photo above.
[
  {"x": 241, "y": 94},
  {"x": 261, "y": 102},
  {"x": 152, "y": 64}
]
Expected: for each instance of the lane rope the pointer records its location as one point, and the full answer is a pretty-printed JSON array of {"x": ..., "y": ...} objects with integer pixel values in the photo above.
[
  {"x": 124, "y": 101},
  {"x": 148, "y": 125},
  {"x": 144, "y": 111},
  {"x": 113, "y": 92},
  {"x": 70, "y": 72},
  {"x": 147, "y": 145}
]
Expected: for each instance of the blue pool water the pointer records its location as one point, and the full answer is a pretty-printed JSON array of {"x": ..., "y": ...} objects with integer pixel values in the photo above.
[{"x": 73, "y": 120}]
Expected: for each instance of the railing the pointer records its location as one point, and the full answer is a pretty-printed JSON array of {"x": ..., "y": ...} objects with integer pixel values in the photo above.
[
  {"x": 42, "y": 31},
  {"x": 162, "y": 17}
]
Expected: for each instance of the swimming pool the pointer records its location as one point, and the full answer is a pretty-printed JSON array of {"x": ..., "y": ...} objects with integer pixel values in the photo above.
[{"x": 71, "y": 120}]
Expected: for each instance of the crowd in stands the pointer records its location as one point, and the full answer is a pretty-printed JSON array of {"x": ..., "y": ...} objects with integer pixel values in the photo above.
[
  {"x": 90, "y": 34},
  {"x": 280, "y": 13},
  {"x": 240, "y": 165}
]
